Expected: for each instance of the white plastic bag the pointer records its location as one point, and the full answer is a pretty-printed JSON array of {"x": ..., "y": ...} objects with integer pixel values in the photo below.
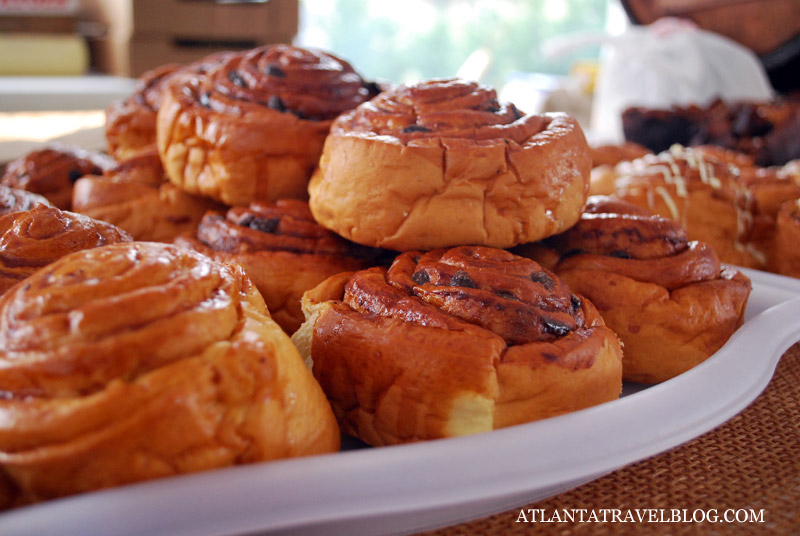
[{"x": 671, "y": 62}]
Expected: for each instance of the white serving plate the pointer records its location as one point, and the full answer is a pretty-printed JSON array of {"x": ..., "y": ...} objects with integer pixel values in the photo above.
[{"x": 409, "y": 488}]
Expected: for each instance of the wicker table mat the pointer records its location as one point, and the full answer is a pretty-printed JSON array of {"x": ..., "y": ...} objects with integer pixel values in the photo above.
[{"x": 751, "y": 462}]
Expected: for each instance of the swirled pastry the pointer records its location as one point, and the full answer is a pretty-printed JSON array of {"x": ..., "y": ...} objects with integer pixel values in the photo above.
[
  {"x": 131, "y": 122},
  {"x": 252, "y": 128},
  {"x": 704, "y": 195},
  {"x": 15, "y": 200},
  {"x": 667, "y": 298},
  {"x": 35, "y": 238},
  {"x": 135, "y": 196},
  {"x": 144, "y": 360},
  {"x": 784, "y": 253},
  {"x": 442, "y": 163},
  {"x": 282, "y": 249},
  {"x": 52, "y": 171},
  {"x": 455, "y": 342}
]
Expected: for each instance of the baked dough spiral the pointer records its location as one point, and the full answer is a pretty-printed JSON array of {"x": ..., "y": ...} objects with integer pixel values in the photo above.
[
  {"x": 144, "y": 360},
  {"x": 52, "y": 171},
  {"x": 252, "y": 128},
  {"x": 15, "y": 200},
  {"x": 454, "y": 342},
  {"x": 282, "y": 249},
  {"x": 35, "y": 238},
  {"x": 667, "y": 298},
  {"x": 136, "y": 196},
  {"x": 705, "y": 195},
  {"x": 443, "y": 163}
]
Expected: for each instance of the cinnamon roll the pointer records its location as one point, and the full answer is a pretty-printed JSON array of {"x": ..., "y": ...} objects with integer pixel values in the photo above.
[
  {"x": 282, "y": 249},
  {"x": 706, "y": 196},
  {"x": 15, "y": 200},
  {"x": 443, "y": 163},
  {"x": 784, "y": 253},
  {"x": 34, "y": 238},
  {"x": 131, "y": 122},
  {"x": 142, "y": 360},
  {"x": 135, "y": 196},
  {"x": 667, "y": 298},
  {"x": 252, "y": 128},
  {"x": 52, "y": 171},
  {"x": 454, "y": 342}
]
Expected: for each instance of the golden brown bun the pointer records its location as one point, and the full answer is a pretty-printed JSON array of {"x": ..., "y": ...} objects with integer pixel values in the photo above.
[
  {"x": 35, "y": 238},
  {"x": 282, "y": 249},
  {"x": 455, "y": 342},
  {"x": 52, "y": 171},
  {"x": 15, "y": 200},
  {"x": 784, "y": 251},
  {"x": 252, "y": 128},
  {"x": 613, "y": 154},
  {"x": 704, "y": 195},
  {"x": 135, "y": 196},
  {"x": 443, "y": 163},
  {"x": 131, "y": 122},
  {"x": 769, "y": 189},
  {"x": 668, "y": 299},
  {"x": 144, "y": 360}
]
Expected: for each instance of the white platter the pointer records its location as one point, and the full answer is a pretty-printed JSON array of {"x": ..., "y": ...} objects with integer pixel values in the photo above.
[{"x": 406, "y": 489}]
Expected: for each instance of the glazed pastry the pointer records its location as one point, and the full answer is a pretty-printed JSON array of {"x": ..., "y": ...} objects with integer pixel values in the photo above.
[
  {"x": 704, "y": 195},
  {"x": 252, "y": 128},
  {"x": 784, "y": 252},
  {"x": 282, "y": 249},
  {"x": 613, "y": 154},
  {"x": 52, "y": 171},
  {"x": 667, "y": 298},
  {"x": 455, "y": 342},
  {"x": 136, "y": 196},
  {"x": 15, "y": 200},
  {"x": 131, "y": 122},
  {"x": 144, "y": 360},
  {"x": 443, "y": 163},
  {"x": 770, "y": 189},
  {"x": 37, "y": 237}
]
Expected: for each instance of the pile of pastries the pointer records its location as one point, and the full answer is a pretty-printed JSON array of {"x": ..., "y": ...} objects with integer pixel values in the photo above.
[{"x": 274, "y": 251}]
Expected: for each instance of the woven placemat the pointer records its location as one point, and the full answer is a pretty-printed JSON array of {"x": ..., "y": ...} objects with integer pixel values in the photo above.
[{"x": 749, "y": 464}]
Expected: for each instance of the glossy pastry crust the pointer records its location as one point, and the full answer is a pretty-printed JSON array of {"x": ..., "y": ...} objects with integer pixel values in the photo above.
[
  {"x": 34, "y": 238},
  {"x": 784, "y": 253},
  {"x": 667, "y": 298},
  {"x": 143, "y": 360},
  {"x": 15, "y": 200},
  {"x": 443, "y": 163},
  {"x": 613, "y": 154},
  {"x": 705, "y": 195},
  {"x": 252, "y": 128},
  {"x": 136, "y": 196},
  {"x": 454, "y": 342},
  {"x": 282, "y": 249},
  {"x": 52, "y": 171}
]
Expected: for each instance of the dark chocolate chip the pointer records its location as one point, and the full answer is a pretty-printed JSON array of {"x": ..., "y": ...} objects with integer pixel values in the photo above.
[
  {"x": 517, "y": 113},
  {"x": 274, "y": 70},
  {"x": 575, "y": 302},
  {"x": 237, "y": 79},
  {"x": 555, "y": 327},
  {"x": 75, "y": 174},
  {"x": 620, "y": 254},
  {"x": 372, "y": 88},
  {"x": 265, "y": 225},
  {"x": 543, "y": 279},
  {"x": 462, "y": 279},
  {"x": 420, "y": 277},
  {"x": 276, "y": 103},
  {"x": 416, "y": 128},
  {"x": 493, "y": 107}
]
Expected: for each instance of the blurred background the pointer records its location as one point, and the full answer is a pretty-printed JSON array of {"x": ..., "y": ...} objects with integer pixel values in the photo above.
[{"x": 75, "y": 56}]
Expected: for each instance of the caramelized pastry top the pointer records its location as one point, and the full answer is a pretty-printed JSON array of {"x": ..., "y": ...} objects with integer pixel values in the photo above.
[{"x": 308, "y": 83}]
